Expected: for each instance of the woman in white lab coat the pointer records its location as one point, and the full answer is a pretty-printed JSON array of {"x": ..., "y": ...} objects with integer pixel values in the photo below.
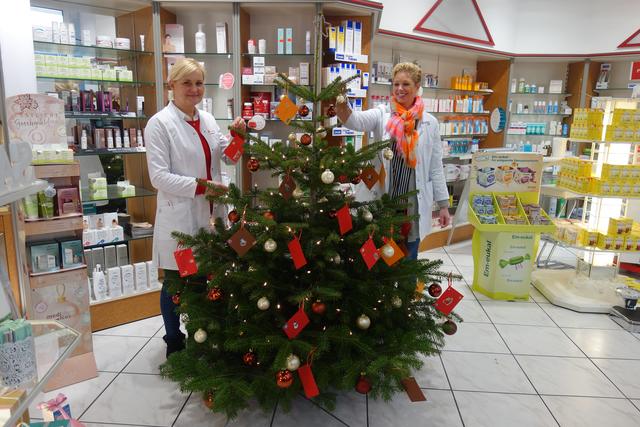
[
  {"x": 184, "y": 144},
  {"x": 417, "y": 152}
]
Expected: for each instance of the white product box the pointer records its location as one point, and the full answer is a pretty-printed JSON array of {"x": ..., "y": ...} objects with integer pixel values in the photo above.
[
  {"x": 357, "y": 37},
  {"x": 110, "y": 219},
  {"x": 96, "y": 221},
  {"x": 110, "y": 257},
  {"x": 221, "y": 37},
  {"x": 555, "y": 86},
  {"x": 340, "y": 40},
  {"x": 140, "y": 273},
  {"x": 97, "y": 255},
  {"x": 304, "y": 73},
  {"x": 42, "y": 33},
  {"x": 88, "y": 237},
  {"x": 333, "y": 41},
  {"x": 280, "y": 41},
  {"x": 128, "y": 281},
  {"x": 152, "y": 275},
  {"x": 258, "y": 79},
  {"x": 101, "y": 236},
  {"x": 258, "y": 71},
  {"x": 288, "y": 42},
  {"x": 258, "y": 61},
  {"x": 122, "y": 255},
  {"x": 248, "y": 79},
  {"x": 114, "y": 282},
  {"x": 348, "y": 36}
]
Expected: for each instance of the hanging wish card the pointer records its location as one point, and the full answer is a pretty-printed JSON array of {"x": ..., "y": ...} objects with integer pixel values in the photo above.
[
  {"x": 235, "y": 149},
  {"x": 308, "y": 381},
  {"x": 287, "y": 186},
  {"x": 397, "y": 253},
  {"x": 242, "y": 241},
  {"x": 297, "y": 255},
  {"x": 344, "y": 219},
  {"x": 296, "y": 324},
  {"x": 369, "y": 176},
  {"x": 286, "y": 109},
  {"x": 186, "y": 262},
  {"x": 448, "y": 300},
  {"x": 369, "y": 253}
]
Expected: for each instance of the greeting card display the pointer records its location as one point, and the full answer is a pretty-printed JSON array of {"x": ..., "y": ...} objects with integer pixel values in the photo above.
[{"x": 186, "y": 262}]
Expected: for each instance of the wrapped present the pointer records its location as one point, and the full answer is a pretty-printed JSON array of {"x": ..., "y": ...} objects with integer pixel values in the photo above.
[{"x": 58, "y": 409}]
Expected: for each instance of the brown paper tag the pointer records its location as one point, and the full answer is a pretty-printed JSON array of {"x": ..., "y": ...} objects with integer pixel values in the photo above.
[
  {"x": 369, "y": 176},
  {"x": 242, "y": 241},
  {"x": 413, "y": 390},
  {"x": 287, "y": 186}
]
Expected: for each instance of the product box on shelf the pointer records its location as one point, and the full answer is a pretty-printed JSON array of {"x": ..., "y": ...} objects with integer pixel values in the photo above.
[
  {"x": 128, "y": 279},
  {"x": 68, "y": 201},
  {"x": 174, "y": 39},
  {"x": 45, "y": 256},
  {"x": 114, "y": 280},
  {"x": 140, "y": 275},
  {"x": 71, "y": 252}
]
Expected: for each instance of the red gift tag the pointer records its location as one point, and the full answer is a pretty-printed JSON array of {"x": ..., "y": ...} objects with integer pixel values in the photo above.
[
  {"x": 344, "y": 219},
  {"x": 308, "y": 382},
  {"x": 297, "y": 255},
  {"x": 448, "y": 300},
  {"x": 186, "y": 262},
  {"x": 296, "y": 324},
  {"x": 369, "y": 253},
  {"x": 242, "y": 241},
  {"x": 235, "y": 149}
]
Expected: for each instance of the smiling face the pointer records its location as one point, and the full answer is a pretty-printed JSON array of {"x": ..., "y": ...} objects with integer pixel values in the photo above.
[
  {"x": 188, "y": 91},
  {"x": 404, "y": 89}
]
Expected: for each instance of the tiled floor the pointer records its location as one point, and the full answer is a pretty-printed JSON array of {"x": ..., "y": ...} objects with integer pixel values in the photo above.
[{"x": 510, "y": 364}]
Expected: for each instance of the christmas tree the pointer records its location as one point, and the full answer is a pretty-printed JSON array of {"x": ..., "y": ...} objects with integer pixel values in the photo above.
[{"x": 308, "y": 290}]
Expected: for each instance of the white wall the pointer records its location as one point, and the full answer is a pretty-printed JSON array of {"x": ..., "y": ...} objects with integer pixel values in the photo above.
[
  {"x": 535, "y": 26},
  {"x": 18, "y": 62}
]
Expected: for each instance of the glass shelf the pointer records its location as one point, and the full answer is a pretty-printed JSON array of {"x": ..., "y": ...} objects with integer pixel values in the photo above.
[
  {"x": 537, "y": 134},
  {"x": 80, "y": 50},
  {"x": 112, "y": 194},
  {"x": 443, "y": 89},
  {"x": 90, "y": 81},
  {"x": 540, "y": 114},
  {"x": 127, "y": 238},
  {"x": 112, "y": 116},
  {"x": 46, "y": 333},
  {"x": 271, "y": 55},
  {"x": 109, "y": 151},
  {"x": 466, "y": 135},
  {"x": 612, "y": 89},
  {"x": 538, "y": 94},
  {"x": 460, "y": 113},
  {"x": 206, "y": 84},
  {"x": 228, "y": 55},
  {"x": 594, "y": 249}
]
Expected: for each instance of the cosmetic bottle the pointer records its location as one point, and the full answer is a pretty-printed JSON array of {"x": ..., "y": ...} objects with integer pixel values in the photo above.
[{"x": 201, "y": 40}]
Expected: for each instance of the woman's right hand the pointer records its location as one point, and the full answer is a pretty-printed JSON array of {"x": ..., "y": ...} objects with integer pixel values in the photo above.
[
  {"x": 343, "y": 111},
  {"x": 217, "y": 189}
]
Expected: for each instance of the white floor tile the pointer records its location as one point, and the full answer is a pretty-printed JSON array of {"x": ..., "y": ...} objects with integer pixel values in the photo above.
[
  {"x": 592, "y": 412},
  {"x": 110, "y": 425},
  {"x": 149, "y": 359},
  {"x": 462, "y": 260},
  {"x": 516, "y": 313},
  {"x": 470, "y": 310},
  {"x": 439, "y": 410},
  {"x": 351, "y": 409},
  {"x": 459, "y": 248},
  {"x": 637, "y": 403},
  {"x": 114, "y": 352},
  {"x": 503, "y": 410},
  {"x": 141, "y": 328},
  {"x": 538, "y": 340},
  {"x": 623, "y": 373},
  {"x": 572, "y": 319},
  {"x": 606, "y": 343},
  {"x": 137, "y": 399},
  {"x": 565, "y": 376},
  {"x": 432, "y": 374},
  {"x": 195, "y": 414},
  {"x": 482, "y": 337},
  {"x": 485, "y": 372},
  {"x": 305, "y": 413},
  {"x": 536, "y": 296},
  {"x": 462, "y": 287},
  {"x": 79, "y": 396}
]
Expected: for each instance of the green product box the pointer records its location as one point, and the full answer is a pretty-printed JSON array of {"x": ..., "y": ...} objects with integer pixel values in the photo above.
[{"x": 45, "y": 256}]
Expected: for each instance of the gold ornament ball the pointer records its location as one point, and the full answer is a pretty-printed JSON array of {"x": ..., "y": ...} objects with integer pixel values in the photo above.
[
  {"x": 387, "y": 153},
  {"x": 367, "y": 216},
  {"x": 388, "y": 251},
  {"x": 363, "y": 322},
  {"x": 263, "y": 303},
  {"x": 293, "y": 362},
  {"x": 321, "y": 132},
  {"x": 396, "y": 302},
  {"x": 298, "y": 193},
  {"x": 200, "y": 336},
  {"x": 327, "y": 176},
  {"x": 270, "y": 245}
]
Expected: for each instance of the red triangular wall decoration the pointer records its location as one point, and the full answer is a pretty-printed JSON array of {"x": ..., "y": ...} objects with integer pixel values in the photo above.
[
  {"x": 458, "y": 19},
  {"x": 632, "y": 41}
]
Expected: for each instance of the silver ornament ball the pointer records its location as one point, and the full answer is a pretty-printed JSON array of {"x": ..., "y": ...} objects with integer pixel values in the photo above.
[
  {"x": 363, "y": 321},
  {"x": 263, "y": 303},
  {"x": 270, "y": 245},
  {"x": 321, "y": 132},
  {"x": 293, "y": 362},
  {"x": 396, "y": 302},
  {"x": 292, "y": 137},
  {"x": 200, "y": 336},
  {"x": 387, "y": 153},
  {"x": 327, "y": 176},
  {"x": 298, "y": 193},
  {"x": 388, "y": 251},
  {"x": 367, "y": 216},
  {"x": 337, "y": 259}
]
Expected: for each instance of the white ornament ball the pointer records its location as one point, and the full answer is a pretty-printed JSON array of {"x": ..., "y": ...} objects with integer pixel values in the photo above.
[
  {"x": 337, "y": 259},
  {"x": 293, "y": 362},
  {"x": 292, "y": 137},
  {"x": 263, "y": 303},
  {"x": 388, "y": 251},
  {"x": 341, "y": 99},
  {"x": 298, "y": 193},
  {"x": 321, "y": 132},
  {"x": 387, "y": 153},
  {"x": 327, "y": 176},
  {"x": 367, "y": 216},
  {"x": 200, "y": 336},
  {"x": 396, "y": 302},
  {"x": 363, "y": 321},
  {"x": 270, "y": 245}
]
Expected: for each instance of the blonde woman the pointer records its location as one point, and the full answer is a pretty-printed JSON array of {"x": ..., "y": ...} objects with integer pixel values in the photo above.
[
  {"x": 417, "y": 160},
  {"x": 183, "y": 144}
]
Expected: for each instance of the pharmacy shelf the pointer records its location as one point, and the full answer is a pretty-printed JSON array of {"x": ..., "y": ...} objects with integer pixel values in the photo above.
[
  {"x": 112, "y": 194},
  {"x": 276, "y": 55},
  {"x": 524, "y": 135},
  {"x": 460, "y": 113},
  {"x": 108, "y": 300},
  {"x": 58, "y": 271},
  {"x": 465, "y": 156},
  {"x": 597, "y": 141},
  {"x": 196, "y": 54},
  {"x": 80, "y": 50},
  {"x": 12, "y": 195},
  {"x": 126, "y": 239},
  {"x": 540, "y": 114},
  {"x": 613, "y": 89},
  {"x": 552, "y": 159},
  {"x": 593, "y": 249},
  {"x": 538, "y": 94},
  {"x": 35, "y": 227},
  {"x": 96, "y": 116},
  {"x": 466, "y": 135},
  {"x": 110, "y": 151},
  {"x": 554, "y": 190},
  {"x": 91, "y": 81}
]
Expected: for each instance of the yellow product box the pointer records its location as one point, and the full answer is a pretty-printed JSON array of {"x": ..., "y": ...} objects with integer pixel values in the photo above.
[
  {"x": 610, "y": 171},
  {"x": 626, "y": 187},
  {"x": 634, "y": 171},
  {"x": 623, "y": 116},
  {"x": 588, "y": 237},
  {"x": 630, "y": 243},
  {"x": 620, "y": 226},
  {"x": 572, "y": 235},
  {"x": 605, "y": 241},
  {"x": 618, "y": 243},
  {"x": 616, "y": 188}
]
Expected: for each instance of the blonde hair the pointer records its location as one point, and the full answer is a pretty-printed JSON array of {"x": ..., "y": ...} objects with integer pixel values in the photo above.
[
  {"x": 184, "y": 67},
  {"x": 413, "y": 70}
]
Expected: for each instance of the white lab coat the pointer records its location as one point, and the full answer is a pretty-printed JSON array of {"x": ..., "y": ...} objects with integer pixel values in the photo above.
[
  {"x": 175, "y": 159},
  {"x": 430, "y": 178}
]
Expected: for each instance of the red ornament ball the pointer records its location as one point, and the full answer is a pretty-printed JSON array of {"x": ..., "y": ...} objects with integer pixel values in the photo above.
[
  {"x": 284, "y": 378},
  {"x": 207, "y": 399},
  {"x": 305, "y": 139},
  {"x": 343, "y": 179},
  {"x": 449, "y": 327},
  {"x": 234, "y": 216},
  {"x": 435, "y": 290},
  {"x": 356, "y": 180},
  {"x": 331, "y": 111},
  {"x": 214, "y": 294},
  {"x": 303, "y": 111},
  {"x": 318, "y": 307},
  {"x": 176, "y": 298},
  {"x": 253, "y": 164},
  {"x": 363, "y": 385},
  {"x": 269, "y": 215},
  {"x": 249, "y": 358},
  {"x": 332, "y": 213}
]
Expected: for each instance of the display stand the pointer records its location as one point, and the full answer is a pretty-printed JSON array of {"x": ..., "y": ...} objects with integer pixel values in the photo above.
[{"x": 504, "y": 252}]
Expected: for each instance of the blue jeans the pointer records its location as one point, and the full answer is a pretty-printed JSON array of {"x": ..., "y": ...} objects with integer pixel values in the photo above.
[
  {"x": 413, "y": 249},
  {"x": 168, "y": 308}
]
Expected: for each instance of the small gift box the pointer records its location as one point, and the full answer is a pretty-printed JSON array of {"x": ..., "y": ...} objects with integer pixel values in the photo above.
[{"x": 57, "y": 409}]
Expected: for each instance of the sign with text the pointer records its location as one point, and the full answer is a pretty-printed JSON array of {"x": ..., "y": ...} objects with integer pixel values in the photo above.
[
  {"x": 501, "y": 172},
  {"x": 37, "y": 119}
]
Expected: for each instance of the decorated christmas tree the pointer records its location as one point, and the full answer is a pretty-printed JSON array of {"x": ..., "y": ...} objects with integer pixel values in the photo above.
[{"x": 307, "y": 290}]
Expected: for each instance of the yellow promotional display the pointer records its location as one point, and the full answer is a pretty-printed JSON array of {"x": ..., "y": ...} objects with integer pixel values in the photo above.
[{"x": 503, "y": 200}]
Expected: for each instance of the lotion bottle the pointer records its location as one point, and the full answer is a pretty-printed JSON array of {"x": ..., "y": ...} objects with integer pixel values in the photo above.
[
  {"x": 201, "y": 40},
  {"x": 99, "y": 284}
]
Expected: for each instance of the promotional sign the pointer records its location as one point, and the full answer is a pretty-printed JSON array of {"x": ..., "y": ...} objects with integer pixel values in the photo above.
[
  {"x": 635, "y": 71},
  {"x": 506, "y": 172},
  {"x": 36, "y": 119}
]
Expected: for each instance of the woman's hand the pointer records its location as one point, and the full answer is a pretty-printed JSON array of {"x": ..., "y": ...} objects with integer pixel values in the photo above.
[
  {"x": 238, "y": 124},
  {"x": 343, "y": 111},
  {"x": 445, "y": 217},
  {"x": 218, "y": 189}
]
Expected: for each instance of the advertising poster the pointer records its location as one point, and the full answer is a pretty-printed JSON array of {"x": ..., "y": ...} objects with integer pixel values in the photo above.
[
  {"x": 37, "y": 119},
  {"x": 506, "y": 172}
]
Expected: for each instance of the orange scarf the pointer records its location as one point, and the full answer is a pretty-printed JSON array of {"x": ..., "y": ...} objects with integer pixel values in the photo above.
[{"x": 402, "y": 127}]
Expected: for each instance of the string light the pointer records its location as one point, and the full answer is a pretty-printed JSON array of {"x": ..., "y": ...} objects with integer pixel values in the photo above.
[
  {"x": 318, "y": 242},
  {"x": 338, "y": 310},
  {"x": 350, "y": 333},
  {"x": 278, "y": 306},
  {"x": 231, "y": 295},
  {"x": 264, "y": 284},
  {"x": 324, "y": 328},
  {"x": 236, "y": 307}
]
